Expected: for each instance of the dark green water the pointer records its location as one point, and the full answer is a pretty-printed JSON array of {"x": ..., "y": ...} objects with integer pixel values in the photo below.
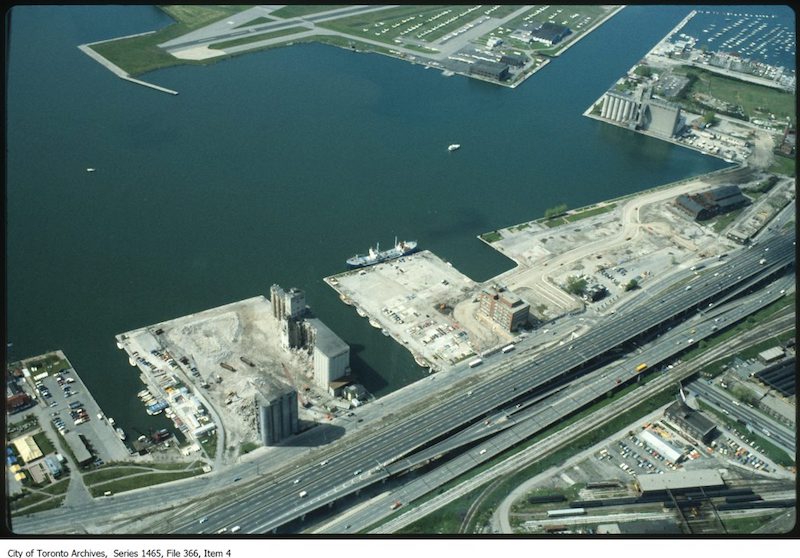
[{"x": 276, "y": 167}]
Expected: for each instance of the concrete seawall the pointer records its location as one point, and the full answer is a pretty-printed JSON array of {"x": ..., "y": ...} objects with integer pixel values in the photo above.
[{"x": 87, "y": 49}]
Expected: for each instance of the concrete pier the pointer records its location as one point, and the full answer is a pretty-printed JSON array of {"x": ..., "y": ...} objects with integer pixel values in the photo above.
[{"x": 87, "y": 49}]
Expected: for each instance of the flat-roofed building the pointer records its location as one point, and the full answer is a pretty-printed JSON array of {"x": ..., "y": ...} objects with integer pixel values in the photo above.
[
  {"x": 331, "y": 355},
  {"x": 276, "y": 406},
  {"x": 771, "y": 355},
  {"x": 695, "y": 424},
  {"x": 681, "y": 481},
  {"x": 504, "y": 308},
  {"x": 38, "y": 474},
  {"x": 53, "y": 466},
  {"x": 77, "y": 444},
  {"x": 514, "y": 60},
  {"x": 661, "y": 446},
  {"x": 491, "y": 70}
]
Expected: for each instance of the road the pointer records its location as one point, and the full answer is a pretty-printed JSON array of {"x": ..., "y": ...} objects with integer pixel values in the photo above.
[{"x": 353, "y": 464}]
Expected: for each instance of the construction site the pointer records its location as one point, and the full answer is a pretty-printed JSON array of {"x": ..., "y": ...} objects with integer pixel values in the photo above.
[
  {"x": 215, "y": 372},
  {"x": 586, "y": 260}
]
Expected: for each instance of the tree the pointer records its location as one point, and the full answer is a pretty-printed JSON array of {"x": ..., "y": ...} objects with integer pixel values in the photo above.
[
  {"x": 555, "y": 211},
  {"x": 631, "y": 285},
  {"x": 709, "y": 117},
  {"x": 576, "y": 285}
]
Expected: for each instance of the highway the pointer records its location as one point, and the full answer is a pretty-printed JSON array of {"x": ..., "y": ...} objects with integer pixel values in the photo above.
[
  {"x": 274, "y": 499},
  {"x": 550, "y": 411},
  {"x": 272, "y": 506}
]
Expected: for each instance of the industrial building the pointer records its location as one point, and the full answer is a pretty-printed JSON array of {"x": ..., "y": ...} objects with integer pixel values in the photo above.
[
  {"x": 780, "y": 376},
  {"x": 705, "y": 205},
  {"x": 287, "y": 304},
  {"x": 276, "y": 405},
  {"x": 331, "y": 355},
  {"x": 660, "y": 117},
  {"x": 642, "y": 111},
  {"x": 77, "y": 444},
  {"x": 549, "y": 33},
  {"x": 490, "y": 70},
  {"x": 517, "y": 61},
  {"x": 771, "y": 355},
  {"x": 694, "y": 424},
  {"x": 619, "y": 107},
  {"x": 663, "y": 447},
  {"x": 681, "y": 481},
  {"x": 504, "y": 307}
]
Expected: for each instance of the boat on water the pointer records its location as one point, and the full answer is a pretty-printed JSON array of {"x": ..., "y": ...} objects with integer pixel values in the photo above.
[
  {"x": 453, "y": 146},
  {"x": 120, "y": 434},
  {"x": 361, "y": 313},
  {"x": 90, "y": 169},
  {"x": 374, "y": 256}
]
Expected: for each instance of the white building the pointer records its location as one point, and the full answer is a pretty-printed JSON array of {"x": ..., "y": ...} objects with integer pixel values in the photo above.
[{"x": 331, "y": 354}]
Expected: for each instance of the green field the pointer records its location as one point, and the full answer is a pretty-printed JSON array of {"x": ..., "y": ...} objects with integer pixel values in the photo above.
[
  {"x": 139, "y": 481},
  {"x": 288, "y": 12},
  {"x": 256, "y": 38},
  {"x": 757, "y": 101}
]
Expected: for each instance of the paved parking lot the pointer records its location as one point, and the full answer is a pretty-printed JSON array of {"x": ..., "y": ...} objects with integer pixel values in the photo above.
[{"x": 66, "y": 403}]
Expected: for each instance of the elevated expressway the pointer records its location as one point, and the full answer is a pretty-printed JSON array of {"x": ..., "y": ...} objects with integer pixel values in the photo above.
[{"x": 275, "y": 502}]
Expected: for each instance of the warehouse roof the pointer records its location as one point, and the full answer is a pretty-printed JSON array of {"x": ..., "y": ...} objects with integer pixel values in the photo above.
[
  {"x": 681, "y": 410},
  {"x": 680, "y": 480},
  {"x": 771, "y": 354}
]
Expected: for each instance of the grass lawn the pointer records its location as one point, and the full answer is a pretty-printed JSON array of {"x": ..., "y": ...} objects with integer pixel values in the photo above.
[
  {"x": 748, "y": 95},
  {"x": 724, "y": 220},
  {"x": 140, "y": 481},
  {"x": 571, "y": 218},
  {"x": 27, "y": 500},
  {"x": 493, "y": 236},
  {"x": 783, "y": 165},
  {"x": 259, "y": 37},
  {"x": 195, "y": 16},
  {"x": 111, "y": 473},
  {"x": 44, "y": 443},
  {"x": 57, "y": 488},
  {"x": 50, "y": 504},
  {"x": 746, "y": 525},
  {"x": 288, "y": 12}
]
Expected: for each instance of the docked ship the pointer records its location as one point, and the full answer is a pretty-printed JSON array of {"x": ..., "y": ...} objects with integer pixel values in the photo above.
[
  {"x": 374, "y": 256},
  {"x": 120, "y": 434}
]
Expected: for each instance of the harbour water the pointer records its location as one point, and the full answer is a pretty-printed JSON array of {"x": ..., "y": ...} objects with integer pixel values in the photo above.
[{"x": 275, "y": 167}]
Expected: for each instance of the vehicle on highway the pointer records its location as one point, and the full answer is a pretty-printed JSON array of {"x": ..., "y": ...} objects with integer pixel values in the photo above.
[
  {"x": 303, "y": 494},
  {"x": 295, "y": 481},
  {"x": 357, "y": 472},
  {"x": 237, "y": 479},
  {"x": 323, "y": 463},
  {"x": 482, "y": 451},
  {"x": 203, "y": 520},
  {"x": 235, "y": 529}
]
